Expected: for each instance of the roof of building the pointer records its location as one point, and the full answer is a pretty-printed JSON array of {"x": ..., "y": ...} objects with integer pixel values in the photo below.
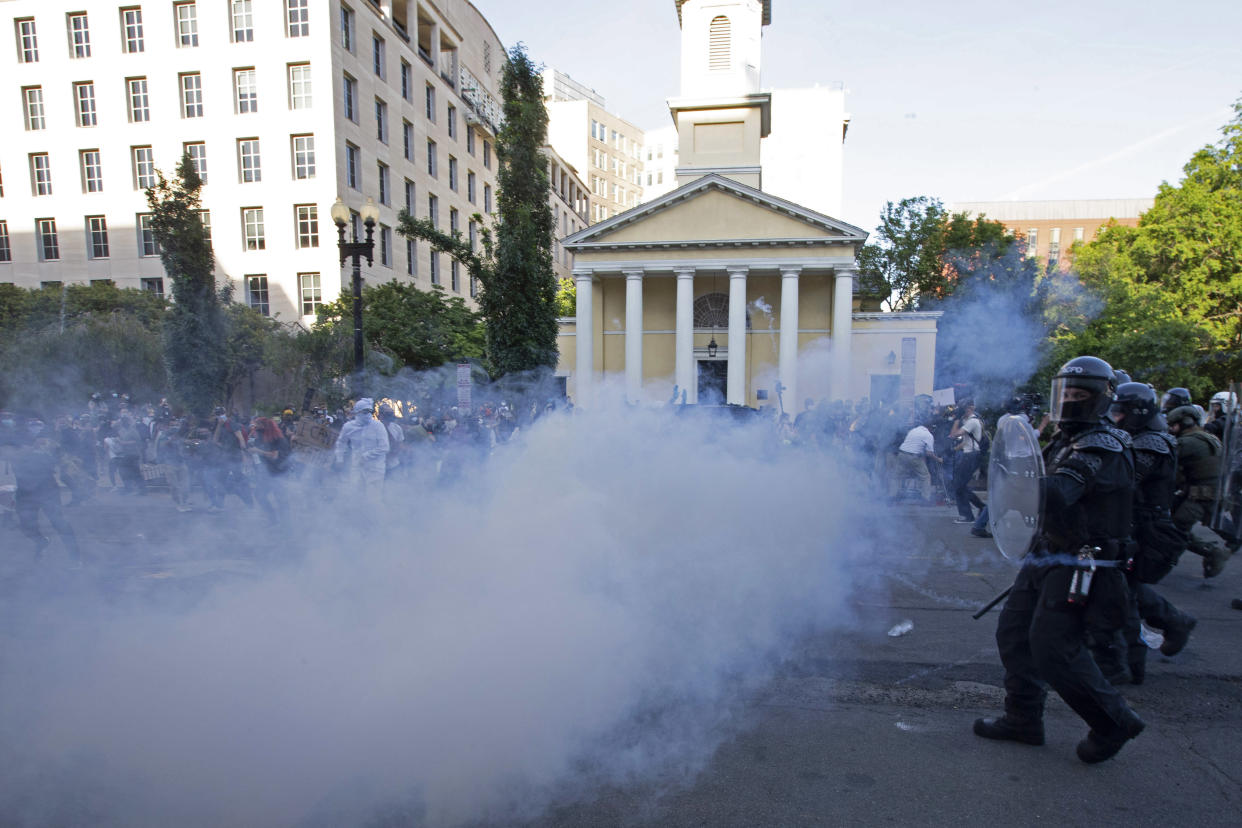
[
  {"x": 1054, "y": 210},
  {"x": 595, "y": 235},
  {"x": 767, "y": 12}
]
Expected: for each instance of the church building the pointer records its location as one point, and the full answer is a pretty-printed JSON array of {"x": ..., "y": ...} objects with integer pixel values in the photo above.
[{"x": 720, "y": 289}]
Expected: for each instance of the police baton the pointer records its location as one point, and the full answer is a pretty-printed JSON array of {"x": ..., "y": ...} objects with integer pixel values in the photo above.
[{"x": 984, "y": 609}]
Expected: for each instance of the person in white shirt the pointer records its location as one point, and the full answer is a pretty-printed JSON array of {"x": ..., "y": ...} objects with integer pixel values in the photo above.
[
  {"x": 912, "y": 457},
  {"x": 968, "y": 430}
]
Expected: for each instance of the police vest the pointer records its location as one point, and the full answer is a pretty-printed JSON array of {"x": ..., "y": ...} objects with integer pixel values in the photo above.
[{"x": 1199, "y": 456}]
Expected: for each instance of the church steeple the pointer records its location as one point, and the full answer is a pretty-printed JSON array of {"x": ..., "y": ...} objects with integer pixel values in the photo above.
[
  {"x": 720, "y": 114},
  {"x": 721, "y": 44}
]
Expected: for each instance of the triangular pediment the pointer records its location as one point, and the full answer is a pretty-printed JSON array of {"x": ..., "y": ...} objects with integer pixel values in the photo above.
[{"x": 716, "y": 211}]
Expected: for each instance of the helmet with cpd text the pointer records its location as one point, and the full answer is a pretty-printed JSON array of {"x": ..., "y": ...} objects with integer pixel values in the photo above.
[
  {"x": 1135, "y": 408},
  {"x": 1082, "y": 391}
]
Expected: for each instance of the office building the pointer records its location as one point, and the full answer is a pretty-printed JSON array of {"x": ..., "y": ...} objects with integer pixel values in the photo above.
[
  {"x": 605, "y": 148},
  {"x": 283, "y": 105}
]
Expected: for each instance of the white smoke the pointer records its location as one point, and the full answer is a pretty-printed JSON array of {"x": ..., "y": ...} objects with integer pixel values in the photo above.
[{"x": 589, "y": 608}]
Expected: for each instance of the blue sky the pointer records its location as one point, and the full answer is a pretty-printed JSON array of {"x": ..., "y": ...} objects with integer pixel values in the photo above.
[{"x": 961, "y": 100}]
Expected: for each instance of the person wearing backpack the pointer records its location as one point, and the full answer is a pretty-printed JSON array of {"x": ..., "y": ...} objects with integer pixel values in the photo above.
[{"x": 968, "y": 432}]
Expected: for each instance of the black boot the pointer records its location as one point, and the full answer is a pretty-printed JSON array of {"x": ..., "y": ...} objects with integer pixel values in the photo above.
[
  {"x": 1176, "y": 636},
  {"x": 1098, "y": 747},
  {"x": 1005, "y": 728}
]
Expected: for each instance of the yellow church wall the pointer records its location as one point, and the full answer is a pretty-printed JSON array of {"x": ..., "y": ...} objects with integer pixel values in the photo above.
[
  {"x": 658, "y": 357},
  {"x": 714, "y": 215},
  {"x": 659, "y": 305},
  {"x": 815, "y": 301}
]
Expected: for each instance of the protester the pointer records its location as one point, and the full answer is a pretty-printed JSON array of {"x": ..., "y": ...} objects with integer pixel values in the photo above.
[{"x": 913, "y": 455}]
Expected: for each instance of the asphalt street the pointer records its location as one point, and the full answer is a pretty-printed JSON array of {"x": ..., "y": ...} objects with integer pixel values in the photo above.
[
  {"x": 869, "y": 729},
  {"x": 860, "y": 728}
]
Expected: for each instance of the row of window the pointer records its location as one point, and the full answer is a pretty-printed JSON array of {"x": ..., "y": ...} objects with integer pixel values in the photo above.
[
  {"x": 47, "y": 239},
  {"x": 254, "y": 233},
  {"x": 604, "y": 189},
  {"x": 190, "y": 88},
  {"x": 142, "y": 158},
  {"x": 630, "y": 146},
  {"x": 352, "y": 110},
  {"x": 133, "y": 32},
  {"x": 603, "y": 161},
  {"x": 353, "y": 177}
]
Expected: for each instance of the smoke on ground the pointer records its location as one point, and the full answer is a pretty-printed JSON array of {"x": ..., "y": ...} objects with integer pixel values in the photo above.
[{"x": 590, "y": 607}]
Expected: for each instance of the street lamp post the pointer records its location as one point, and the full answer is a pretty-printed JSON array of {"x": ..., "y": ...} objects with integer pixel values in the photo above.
[{"x": 356, "y": 249}]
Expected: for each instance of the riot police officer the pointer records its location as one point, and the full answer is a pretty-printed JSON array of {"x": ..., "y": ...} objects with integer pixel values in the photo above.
[
  {"x": 1174, "y": 398},
  {"x": 1042, "y": 628},
  {"x": 1158, "y": 542},
  {"x": 1199, "y": 457}
]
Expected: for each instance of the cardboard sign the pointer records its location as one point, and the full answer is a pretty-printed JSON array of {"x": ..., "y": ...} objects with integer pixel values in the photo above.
[
  {"x": 310, "y": 434},
  {"x": 943, "y": 397}
]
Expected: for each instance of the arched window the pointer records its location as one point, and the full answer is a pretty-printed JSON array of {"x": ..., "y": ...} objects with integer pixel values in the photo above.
[
  {"x": 719, "y": 44},
  {"x": 711, "y": 310}
]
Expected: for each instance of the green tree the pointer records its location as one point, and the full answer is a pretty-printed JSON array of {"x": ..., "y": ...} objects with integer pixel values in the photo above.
[
  {"x": 1164, "y": 299},
  {"x": 60, "y": 344},
  {"x": 401, "y": 325},
  {"x": 517, "y": 286},
  {"x": 195, "y": 349},
  {"x": 566, "y": 297},
  {"x": 920, "y": 252}
]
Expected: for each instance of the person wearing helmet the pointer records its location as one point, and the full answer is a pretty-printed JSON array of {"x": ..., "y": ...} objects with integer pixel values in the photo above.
[
  {"x": 1199, "y": 457},
  {"x": 1173, "y": 398},
  {"x": 1159, "y": 542},
  {"x": 1041, "y": 633},
  {"x": 1219, "y": 410}
]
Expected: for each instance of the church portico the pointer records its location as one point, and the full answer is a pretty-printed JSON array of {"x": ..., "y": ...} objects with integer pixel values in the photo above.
[
  {"x": 718, "y": 288},
  {"x": 657, "y": 311}
]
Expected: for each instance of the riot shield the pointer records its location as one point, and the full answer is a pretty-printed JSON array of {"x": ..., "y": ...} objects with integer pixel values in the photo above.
[
  {"x": 1015, "y": 493},
  {"x": 1227, "y": 510}
]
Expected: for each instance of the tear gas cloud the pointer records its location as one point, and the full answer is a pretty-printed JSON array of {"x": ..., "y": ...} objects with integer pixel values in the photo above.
[
  {"x": 589, "y": 607},
  {"x": 996, "y": 325}
]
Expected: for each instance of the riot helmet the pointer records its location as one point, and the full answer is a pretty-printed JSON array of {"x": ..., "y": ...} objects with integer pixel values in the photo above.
[
  {"x": 1184, "y": 416},
  {"x": 1082, "y": 391},
  {"x": 1121, "y": 377},
  {"x": 1134, "y": 408},
  {"x": 1225, "y": 399},
  {"x": 1174, "y": 398}
]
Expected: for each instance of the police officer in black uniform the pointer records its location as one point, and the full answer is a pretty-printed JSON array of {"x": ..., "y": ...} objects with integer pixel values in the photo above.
[
  {"x": 1158, "y": 542},
  {"x": 1041, "y": 633}
]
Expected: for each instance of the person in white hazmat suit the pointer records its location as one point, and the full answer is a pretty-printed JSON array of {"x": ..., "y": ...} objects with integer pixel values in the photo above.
[{"x": 363, "y": 445}]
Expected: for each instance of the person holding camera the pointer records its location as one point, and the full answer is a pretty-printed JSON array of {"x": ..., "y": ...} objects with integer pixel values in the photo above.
[{"x": 968, "y": 432}]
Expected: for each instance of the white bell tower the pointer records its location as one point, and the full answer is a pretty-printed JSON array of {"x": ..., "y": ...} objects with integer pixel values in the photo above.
[
  {"x": 721, "y": 115},
  {"x": 721, "y": 46}
]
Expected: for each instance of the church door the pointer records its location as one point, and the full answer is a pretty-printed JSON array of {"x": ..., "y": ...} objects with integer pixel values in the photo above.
[{"x": 713, "y": 381}]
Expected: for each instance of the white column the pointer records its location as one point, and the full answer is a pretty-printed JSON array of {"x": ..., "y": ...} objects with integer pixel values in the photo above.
[
  {"x": 584, "y": 334},
  {"x": 788, "y": 362},
  {"x": 842, "y": 330},
  {"x": 683, "y": 342},
  {"x": 737, "y": 335},
  {"x": 633, "y": 335}
]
